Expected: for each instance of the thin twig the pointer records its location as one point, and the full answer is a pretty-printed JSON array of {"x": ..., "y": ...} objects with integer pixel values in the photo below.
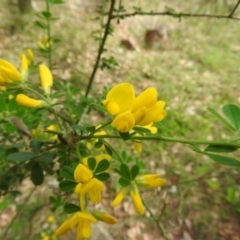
[
  {"x": 176, "y": 15},
  {"x": 161, "y": 228},
  {"x": 49, "y": 36},
  {"x": 101, "y": 47},
  {"x": 18, "y": 213},
  {"x": 234, "y": 9}
]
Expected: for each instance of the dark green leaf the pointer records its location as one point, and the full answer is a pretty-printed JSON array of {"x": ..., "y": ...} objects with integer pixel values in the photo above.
[
  {"x": 232, "y": 112},
  {"x": 102, "y": 166},
  {"x": 71, "y": 208},
  {"x": 223, "y": 149},
  {"x": 21, "y": 156},
  {"x": 125, "y": 172},
  {"x": 125, "y": 135},
  {"x": 224, "y": 160},
  {"x": 67, "y": 186},
  {"x": 46, "y": 15},
  {"x": 35, "y": 145},
  {"x": 37, "y": 176},
  {"x": 92, "y": 163},
  {"x": 108, "y": 150},
  {"x": 102, "y": 176},
  {"x": 134, "y": 171},
  {"x": 67, "y": 172},
  {"x": 46, "y": 157},
  {"x": 39, "y": 24},
  {"x": 223, "y": 120},
  {"x": 98, "y": 144},
  {"x": 123, "y": 182}
]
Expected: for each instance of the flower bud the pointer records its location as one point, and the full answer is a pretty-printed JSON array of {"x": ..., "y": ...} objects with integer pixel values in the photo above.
[{"x": 26, "y": 101}]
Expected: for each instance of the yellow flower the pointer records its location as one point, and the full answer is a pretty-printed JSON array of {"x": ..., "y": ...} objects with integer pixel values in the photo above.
[
  {"x": 26, "y": 101},
  {"x": 123, "y": 122},
  {"x": 24, "y": 65},
  {"x": 46, "y": 78},
  {"x": 137, "y": 145},
  {"x": 30, "y": 56},
  {"x": 79, "y": 221},
  {"x": 137, "y": 201},
  {"x": 52, "y": 128},
  {"x": 87, "y": 185},
  {"x": 45, "y": 44},
  {"x": 51, "y": 219},
  {"x": 150, "y": 181},
  {"x": 9, "y": 75},
  {"x": 104, "y": 217},
  {"x": 120, "y": 99},
  {"x": 119, "y": 197},
  {"x": 147, "y": 109}
]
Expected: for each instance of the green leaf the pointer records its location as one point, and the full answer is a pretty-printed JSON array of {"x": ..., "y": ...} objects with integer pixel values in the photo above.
[
  {"x": 232, "y": 112},
  {"x": 46, "y": 157},
  {"x": 224, "y": 160},
  {"x": 125, "y": 172},
  {"x": 223, "y": 120},
  {"x": 46, "y": 15},
  {"x": 46, "y": 168},
  {"x": 123, "y": 182},
  {"x": 102, "y": 166},
  {"x": 37, "y": 176},
  {"x": 67, "y": 186},
  {"x": 125, "y": 135},
  {"x": 214, "y": 185},
  {"x": 67, "y": 173},
  {"x": 71, "y": 208},
  {"x": 231, "y": 191},
  {"x": 92, "y": 163},
  {"x": 221, "y": 149},
  {"x": 108, "y": 149},
  {"x": 35, "y": 145},
  {"x": 55, "y": 1},
  {"x": 141, "y": 130},
  {"x": 41, "y": 25},
  {"x": 102, "y": 176},
  {"x": 21, "y": 156},
  {"x": 134, "y": 171},
  {"x": 98, "y": 144}
]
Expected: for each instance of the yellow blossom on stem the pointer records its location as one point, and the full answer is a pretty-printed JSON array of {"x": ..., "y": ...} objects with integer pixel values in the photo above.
[
  {"x": 119, "y": 197},
  {"x": 120, "y": 99},
  {"x": 137, "y": 201},
  {"x": 82, "y": 173},
  {"x": 46, "y": 78},
  {"x": 150, "y": 181},
  {"x": 26, "y": 101},
  {"x": 24, "y": 66},
  {"x": 104, "y": 217},
  {"x": 30, "y": 56},
  {"x": 137, "y": 145},
  {"x": 9, "y": 75},
  {"x": 79, "y": 221},
  {"x": 123, "y": 122}
]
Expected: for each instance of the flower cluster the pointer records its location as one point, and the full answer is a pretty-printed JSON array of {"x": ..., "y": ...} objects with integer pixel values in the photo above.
[
  {"x": 145, "y": 181},
  {"x": 11, "y": 77},
  {"x": 129, "y": 110},
  {"x": 89, "y": 185}
]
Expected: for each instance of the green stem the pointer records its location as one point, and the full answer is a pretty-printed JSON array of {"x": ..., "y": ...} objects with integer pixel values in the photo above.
[
  {"x": 49, "y": 36},
  {"x": 169, "y": 139},
  {"x": 101, "y": 47},
  {"x": 102, "y": 126},
  {"x": 161, "y": 228}
]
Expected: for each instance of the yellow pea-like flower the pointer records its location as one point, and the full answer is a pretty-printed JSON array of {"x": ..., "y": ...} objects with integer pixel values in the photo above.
[
  {"x": 26, "y": 101},
  {"x": 30, "y": 56},
  {"x": 82, "y": 173},
  {"x": 123, "y": 122},
  {"x": 120, "y": 99},
  {"x": 9, "y": 75},
  {"x": 119, "y": 197},
  {"x": 137, "y": 201},
  {"x": 150, "y": 181},
  {"x": 104, "y": 217},
  {"x": 46, "y": 78}
]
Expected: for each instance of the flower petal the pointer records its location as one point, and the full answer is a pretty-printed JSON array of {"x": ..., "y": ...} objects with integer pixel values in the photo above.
[
  {"x": 119, "y": 197},
  {"x": 82, "y": 173},
  {"x": 46, "y": 78},
  {"x": 137, "y": 201},
  {"x": 123, "y": 122},
  {"x": 26, "y": 101}
]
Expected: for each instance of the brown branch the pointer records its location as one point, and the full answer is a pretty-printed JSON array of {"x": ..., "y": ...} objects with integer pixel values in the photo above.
[
  {"x": 234, "y": 9},
  {"x": 179, "y": 15}
]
